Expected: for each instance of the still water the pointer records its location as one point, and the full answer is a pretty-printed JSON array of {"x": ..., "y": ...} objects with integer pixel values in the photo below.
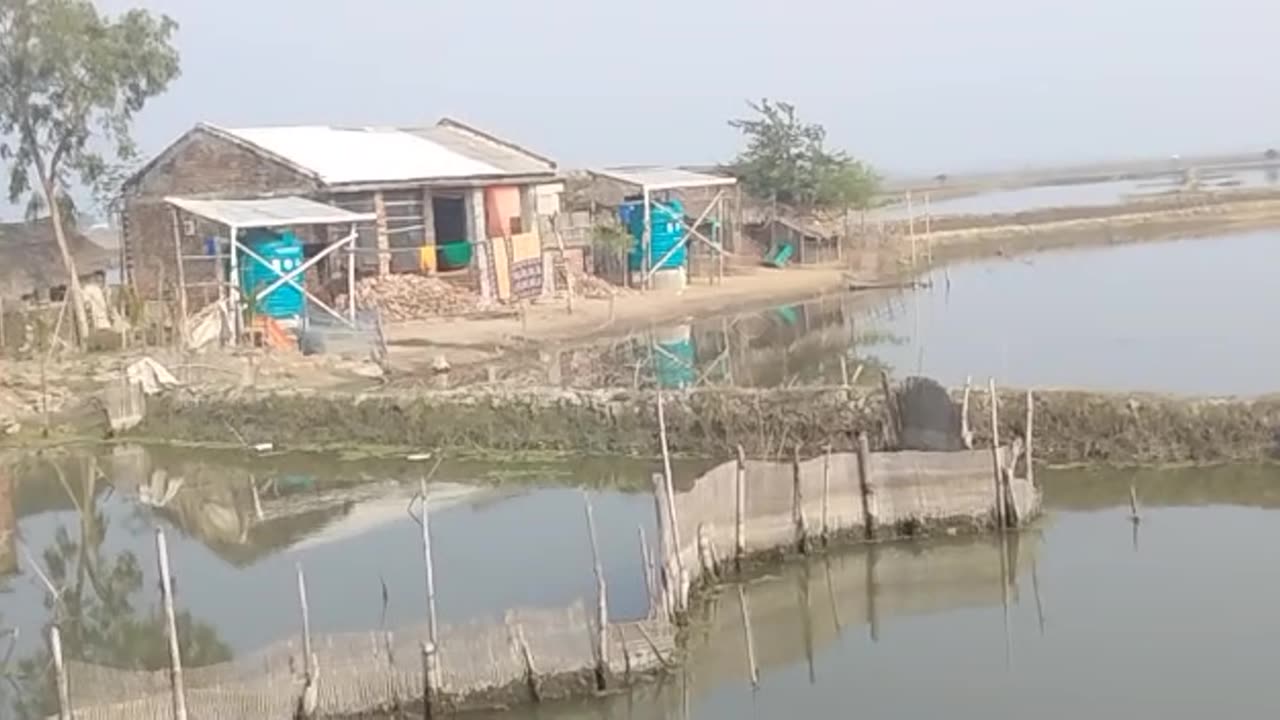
[
  {"x": 1183, "y": 316},
  {"x": 1081, "y": 615}
]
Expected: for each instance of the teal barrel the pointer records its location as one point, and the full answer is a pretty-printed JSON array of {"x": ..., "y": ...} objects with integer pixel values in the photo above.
[{"x": 282, "y": 252}]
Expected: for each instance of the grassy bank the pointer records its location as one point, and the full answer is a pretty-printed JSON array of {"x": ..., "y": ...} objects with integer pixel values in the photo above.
[{"x": 1070, "y": 426}]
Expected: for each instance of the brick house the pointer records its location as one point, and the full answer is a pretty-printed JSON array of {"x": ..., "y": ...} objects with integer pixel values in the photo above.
[{"x": 426, "y": 185}]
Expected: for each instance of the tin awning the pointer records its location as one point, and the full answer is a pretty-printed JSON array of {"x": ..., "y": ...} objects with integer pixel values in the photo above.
[{"x": 269, "y": 212}]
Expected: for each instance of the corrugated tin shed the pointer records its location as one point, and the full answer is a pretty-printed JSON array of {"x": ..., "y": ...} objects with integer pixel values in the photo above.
[
  {"x": 656, "y": 179},
  {"x": 269, "y": 213},
  {"x": 355, "y": 156}
]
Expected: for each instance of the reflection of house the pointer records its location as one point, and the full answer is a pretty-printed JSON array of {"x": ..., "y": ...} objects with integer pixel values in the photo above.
[
  {"x": 428, "y": 186},
  {"x": 31, "y": 265}
]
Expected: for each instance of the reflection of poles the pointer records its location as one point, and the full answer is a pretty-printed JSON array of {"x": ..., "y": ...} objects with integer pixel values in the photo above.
[
  {"x": 831, "y": 594},
  {"x": 806, "y": 620},
  {"x": 1135, "y": 516},
  {"x": 872, "y": 590},
  {"x": 1035, "y": 587},
  {"x": 1004, "y": 597},
  {"x": 752, "y": 670},
  {"x": 171, "y": 622}
]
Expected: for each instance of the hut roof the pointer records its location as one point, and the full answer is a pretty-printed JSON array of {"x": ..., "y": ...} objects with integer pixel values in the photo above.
[{"x": 29, "y": 258}]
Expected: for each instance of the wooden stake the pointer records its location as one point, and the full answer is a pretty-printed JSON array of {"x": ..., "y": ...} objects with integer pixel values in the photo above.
[
  {"x": 966, "y": 431},
  {"x": 995, "y": 454},
  {"x": 893, "y": 429},
  {"x": 646, "y": 567},
  {"x": 531, "y": 671},
  {"x": 844, "y": 374},
  {"x": 797, "y": 496},
  {"x": 865, "y": 484},
  {"x": 182, "y": 277},
  {"x": 1031, "y": 415},
  {"x": 740, "y": 510},
  {"x": 310, "y": 697},
  {"x": 667, "y": 576},
  {"x": 669, "y": 481},
  {"x": 430, "y": 679},
  {"x": 60, "y": 674},
  {"x": 568, "y": 274},
  {"x": 1134, "y": 514},
  {"x": 602, "y": 600},
  {"x": 752, "y": 669},
  {"x": 171, "y": 623},
  {"x": 429, "y": 566},
  {"x": 826, "y": 496}
]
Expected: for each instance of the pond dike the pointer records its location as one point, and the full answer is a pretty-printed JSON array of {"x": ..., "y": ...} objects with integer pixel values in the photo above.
[{"x": 1070, "y": 427}]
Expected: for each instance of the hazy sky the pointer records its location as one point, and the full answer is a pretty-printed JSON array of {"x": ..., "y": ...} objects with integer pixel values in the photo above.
[{"x": 919, "y": 86}]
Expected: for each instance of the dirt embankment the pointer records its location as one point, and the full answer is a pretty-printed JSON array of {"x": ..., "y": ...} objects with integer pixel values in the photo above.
[{"x": 1069, "y": 427}]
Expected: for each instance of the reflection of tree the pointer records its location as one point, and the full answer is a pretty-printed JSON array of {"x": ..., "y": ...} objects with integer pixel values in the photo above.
[{"x": 96, "y": 606}]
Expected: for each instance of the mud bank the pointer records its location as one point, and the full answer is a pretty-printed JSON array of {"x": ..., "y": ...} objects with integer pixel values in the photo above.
[{"x": 1069, "y": 427}]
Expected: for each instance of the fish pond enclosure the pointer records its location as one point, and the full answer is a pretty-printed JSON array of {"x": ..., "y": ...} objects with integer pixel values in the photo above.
[{"x": 737, "y": 513}]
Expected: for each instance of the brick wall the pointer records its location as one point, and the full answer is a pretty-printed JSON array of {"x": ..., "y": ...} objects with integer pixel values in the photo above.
[{"x": 200, "y": 164}]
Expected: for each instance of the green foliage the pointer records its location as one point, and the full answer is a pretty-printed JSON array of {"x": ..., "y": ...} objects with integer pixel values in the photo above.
[
  {"x": 71, "y": 81},
  {"x": 787, "y": 159},
  {"x": 611, "y": 237}
]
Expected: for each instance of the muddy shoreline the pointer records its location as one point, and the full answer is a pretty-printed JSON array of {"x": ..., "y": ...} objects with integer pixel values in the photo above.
[{"x": 1070, "y": 427}]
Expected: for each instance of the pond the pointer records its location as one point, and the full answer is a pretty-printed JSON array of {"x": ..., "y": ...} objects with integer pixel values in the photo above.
[{"x": 967, "y": 626}]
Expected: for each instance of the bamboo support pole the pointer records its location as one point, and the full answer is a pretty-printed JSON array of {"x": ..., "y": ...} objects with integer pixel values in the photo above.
[
  {"x": 893, "y": 431},
  {"x": 740, "y": 510},
  {"x": 176, "y": 685},
  {"x": 865, "y": 485},
  {"x": 666, "y": 577},
  {"x": 430, "y": 679},
  {"x": 601, "y": 638},
  {"x": 1134, "y": 514},
  {"x": 998, "y": 467},
  {"x": 60, "y": 674},
  {"x": 826, "y": 496},
  {"x": 966, "y": 430},
  {"x": 1031, "y": 416},
  {"x": 669, "y": 481},
  {"x": 797, "y": 497},
  {"x": 428, "y": 566},
  {"x": 310, "y": 697},
  {"x": 646, "y": 566},
  {"x": 752, "y": 669}
]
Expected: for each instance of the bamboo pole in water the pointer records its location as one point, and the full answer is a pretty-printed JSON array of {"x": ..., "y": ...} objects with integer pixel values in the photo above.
[
  {"x": 60, "y": 674},
  {"x": 865, "y": 487},
  {"x": 669, "y": 481},
  {"x": 428, "y": 564},
  {"x": 646, "y": 566},
  {"x": 601, "y": 639},
  {"x": 797, "y": 496},
  {"x": 171, "y": 624},
  {"x": 752, "y": 669},
  {"x": 740, "y": 509},
  {"x": 1031, "y": 416},
  {"x": 826, "y": 496},
  {"x": 995, "y": 454},
  {"x": 310, "y": 697},
  {"x": 966, "y": 430}
]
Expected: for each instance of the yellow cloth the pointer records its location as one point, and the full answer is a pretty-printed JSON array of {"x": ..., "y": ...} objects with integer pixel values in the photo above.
[{"x": 427, "y": 258}]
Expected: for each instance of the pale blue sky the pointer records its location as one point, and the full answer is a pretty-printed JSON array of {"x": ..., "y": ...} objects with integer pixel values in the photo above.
[{"x": 920, "y": 86}]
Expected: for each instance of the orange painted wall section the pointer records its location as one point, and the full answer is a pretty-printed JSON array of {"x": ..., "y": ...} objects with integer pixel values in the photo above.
[{"x": 501, "y": 207}]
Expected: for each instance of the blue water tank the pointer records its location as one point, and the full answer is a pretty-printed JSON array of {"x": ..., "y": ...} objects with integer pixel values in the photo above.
[
  {"x": 282, "y": 252},
  {"x": 667, "y": 224}
]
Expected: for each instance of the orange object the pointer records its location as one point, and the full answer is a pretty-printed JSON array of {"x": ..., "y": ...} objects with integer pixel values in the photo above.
[
  {"x": 273, "y": 334},
  {"x": 502, "y": 206},
  {"x": 427, "y": 258}
]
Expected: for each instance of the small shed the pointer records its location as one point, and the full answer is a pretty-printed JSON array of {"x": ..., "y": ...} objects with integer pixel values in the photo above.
[
  {"x": 423, "y": 187},
  {"x": 31, "y": 265}
]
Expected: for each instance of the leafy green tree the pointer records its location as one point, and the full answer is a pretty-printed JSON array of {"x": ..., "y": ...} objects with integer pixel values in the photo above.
[
  {"x": 786, "y": 159},
  {"x": 71, "y": 81}
]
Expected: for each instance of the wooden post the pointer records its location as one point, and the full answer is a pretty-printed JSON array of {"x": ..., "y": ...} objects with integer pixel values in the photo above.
[
  {"x": 60, "y": 674},
  {"x": 797, "y": 496},
  {"x": 1031, "y": 416},
  {"x": 602, "y": 601},
  {"x": 171, "y": 623},
  {"x": 998, "y": 468},
  {"x": 568, "y": 274},
  {"x": 310, "y": 696},
  {"x": 531, "y": 671},
  {"x": 826, "y": 496},
  {"x": 752, "y": 669},
  {"x": 894, "y": 430},
  {"x": 182, "y": 276},
  {"x": 966, "y": 432},
  {"x": 844, "y": 376},
  {"x": 430, "y": 678},
  {"x": 865, "y": 485},
  {"x": 383, "y": 235},
  {"x": 429, "y": 567},
  {"x": 646, "y": 567},
  {"x": 669, "y": 482},
  {"x": 740, "y": 510},
  {"x": 667, "y": 577},
  {"x": 1134, "y": 514}
]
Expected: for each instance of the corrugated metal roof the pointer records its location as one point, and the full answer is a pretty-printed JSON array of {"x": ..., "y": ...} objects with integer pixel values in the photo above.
[
  {"x": 506, "y": 157},
  {"x": 269, "y": 213},
  {"x": 654, "y": 178},
  {"x": 363, "y": 155}
]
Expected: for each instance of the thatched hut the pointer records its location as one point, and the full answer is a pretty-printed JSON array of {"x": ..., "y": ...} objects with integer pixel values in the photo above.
[{"x": 31, "y": 266}]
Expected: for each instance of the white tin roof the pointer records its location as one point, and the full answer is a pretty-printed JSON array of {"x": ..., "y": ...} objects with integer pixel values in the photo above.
[
  {"x": 269, "y": 213},
  {"x": 655, "y": 178}
]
